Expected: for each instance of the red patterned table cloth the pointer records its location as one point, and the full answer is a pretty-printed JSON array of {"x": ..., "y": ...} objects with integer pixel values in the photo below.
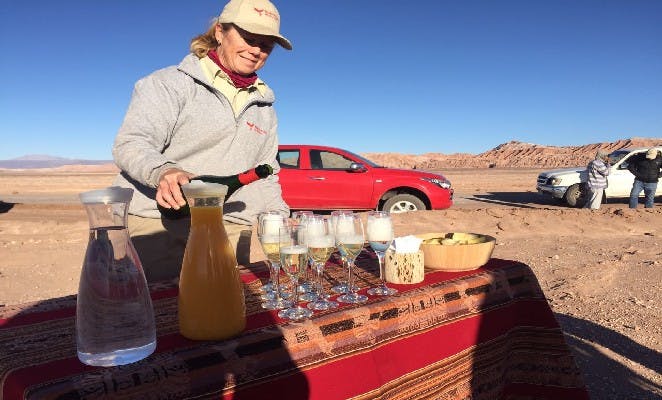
[{"x": 482, "y": 334}]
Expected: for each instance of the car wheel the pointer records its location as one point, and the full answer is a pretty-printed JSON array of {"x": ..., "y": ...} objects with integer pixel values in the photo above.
[
  {"x": 402, "y": 203},
  {"x": 575, "y": 196}
]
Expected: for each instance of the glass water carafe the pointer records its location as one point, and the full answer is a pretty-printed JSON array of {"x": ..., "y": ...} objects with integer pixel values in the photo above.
[
  {"x": 211, "y": 297},
  {"x": 114, "y": 315}
]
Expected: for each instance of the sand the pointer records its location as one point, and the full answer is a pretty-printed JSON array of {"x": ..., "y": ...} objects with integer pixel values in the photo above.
[{"x": 600, "y": 270}]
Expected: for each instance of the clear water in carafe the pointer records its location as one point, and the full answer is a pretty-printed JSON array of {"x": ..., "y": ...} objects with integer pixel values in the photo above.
[{"x": 114, "y": 319}]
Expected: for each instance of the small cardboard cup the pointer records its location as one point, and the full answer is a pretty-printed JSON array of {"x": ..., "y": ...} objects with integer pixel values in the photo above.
[{"x": 404, "y": 268}]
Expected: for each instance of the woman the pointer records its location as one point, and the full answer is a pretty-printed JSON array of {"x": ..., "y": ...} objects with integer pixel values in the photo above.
[
  {"x": 598, "y": 170},
  {"x": 212, "y": 115}
]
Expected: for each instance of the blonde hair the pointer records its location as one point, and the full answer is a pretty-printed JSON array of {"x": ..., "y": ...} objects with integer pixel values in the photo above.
[{"x": 201, "y": 44}]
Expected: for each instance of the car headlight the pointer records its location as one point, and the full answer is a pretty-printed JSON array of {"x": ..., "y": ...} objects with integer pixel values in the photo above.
[
  {"x": 555, "y": 181},
  {"x": 441, "y": 182}
]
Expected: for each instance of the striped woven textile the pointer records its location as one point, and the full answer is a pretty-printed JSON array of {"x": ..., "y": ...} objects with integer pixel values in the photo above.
[{"x": 482, "y": 334}]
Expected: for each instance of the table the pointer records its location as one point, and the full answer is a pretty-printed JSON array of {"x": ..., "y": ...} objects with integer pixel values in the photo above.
[{"x": 482, "y": 334}]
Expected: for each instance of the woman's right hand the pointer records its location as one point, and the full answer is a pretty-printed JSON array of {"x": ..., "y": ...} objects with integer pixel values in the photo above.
[{"x": 169, "y": 192}]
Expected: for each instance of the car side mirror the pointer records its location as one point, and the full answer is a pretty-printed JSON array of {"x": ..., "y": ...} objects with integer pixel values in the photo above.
[
  {"x": 624, "y": 165},
  {"x": 357, "y": 167}
]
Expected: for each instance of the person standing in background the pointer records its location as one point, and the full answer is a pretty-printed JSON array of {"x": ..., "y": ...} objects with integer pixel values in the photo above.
[
  {"x": 646, "y": 171},
  {"x": 209, "y": 115},
  {"x": 598, "y": 170}
]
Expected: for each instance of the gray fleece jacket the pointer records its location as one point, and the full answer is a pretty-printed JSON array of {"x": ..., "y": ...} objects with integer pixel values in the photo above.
[{"x": 176, "y": 118}]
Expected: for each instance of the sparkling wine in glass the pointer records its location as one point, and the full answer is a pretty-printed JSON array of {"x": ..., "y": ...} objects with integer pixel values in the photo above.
[
  {"x": 294, "y": 261},
  {"x": 349, "y": 241},
  {"x": 321, "y": 244},
  {"x": 268, "y": 230},
  {"x": 306, "y": 285},
  {"x": 380, "y": 237},
  {"x": 341, "y": 287}
]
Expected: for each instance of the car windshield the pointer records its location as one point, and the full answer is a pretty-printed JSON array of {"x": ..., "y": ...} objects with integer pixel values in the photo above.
[
  {"x": 364, "y": 160},
  {"x": 616, "y": 156}
]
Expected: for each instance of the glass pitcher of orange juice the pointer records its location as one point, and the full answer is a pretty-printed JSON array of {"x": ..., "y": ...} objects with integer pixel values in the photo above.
[{"x": 211, "y": 298}]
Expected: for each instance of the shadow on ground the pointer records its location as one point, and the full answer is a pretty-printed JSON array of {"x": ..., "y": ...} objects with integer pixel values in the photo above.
[
  {"x": 605, "y": 377},
  {"x": 515, "y": 199},
  {"x": 5, "y": 207},
  {"x": 535, "y": 200}
]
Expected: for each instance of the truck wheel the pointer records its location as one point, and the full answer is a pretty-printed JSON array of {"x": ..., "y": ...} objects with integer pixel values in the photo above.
[
  {"x": 575, "y": 196},
  {"x": 403, "y": 203}
]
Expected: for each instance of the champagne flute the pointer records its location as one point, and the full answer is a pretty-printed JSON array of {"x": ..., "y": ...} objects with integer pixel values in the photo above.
[
  {"x": 321, "y": 244},
  {"x": 268, "y": 228},
  {"x": 301, "y": 215},
  {"x": 306, "y": 287},
  {"x": 341, "y": 287},
  {"x": 349, "y": 240},
  {"x": 380, "y": 237},
  {"x": 293, "y": 260}
]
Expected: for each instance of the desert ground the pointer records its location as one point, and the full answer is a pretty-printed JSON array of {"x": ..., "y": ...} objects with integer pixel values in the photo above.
[{"x": 600, "y": 270}]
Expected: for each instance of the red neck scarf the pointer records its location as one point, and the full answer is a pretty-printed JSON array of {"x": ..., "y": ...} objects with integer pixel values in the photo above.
[{"x": 239, "y": 81}]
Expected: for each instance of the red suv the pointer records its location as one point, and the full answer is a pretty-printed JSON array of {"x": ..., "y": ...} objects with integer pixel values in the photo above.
[{"x": 327, "y": 178}]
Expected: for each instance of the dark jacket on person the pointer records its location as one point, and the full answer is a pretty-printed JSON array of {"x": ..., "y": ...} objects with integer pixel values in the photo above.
[{"x": 645, "y": 170}]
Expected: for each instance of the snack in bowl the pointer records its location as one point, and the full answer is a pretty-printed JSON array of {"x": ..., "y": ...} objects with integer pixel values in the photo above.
[{"x": 456, "y": 251}]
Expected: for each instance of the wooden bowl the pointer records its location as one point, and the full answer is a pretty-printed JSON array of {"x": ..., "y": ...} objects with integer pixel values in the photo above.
[{"x": 456, "y": 257}]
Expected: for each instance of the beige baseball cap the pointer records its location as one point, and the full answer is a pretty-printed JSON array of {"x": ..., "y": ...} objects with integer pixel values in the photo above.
[
  {"x": 651, "y": 153},
  {"x": 255, "y": 16}
]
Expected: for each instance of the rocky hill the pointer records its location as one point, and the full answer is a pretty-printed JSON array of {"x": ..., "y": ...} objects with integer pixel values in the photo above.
[{"x": 513, "y": 154}]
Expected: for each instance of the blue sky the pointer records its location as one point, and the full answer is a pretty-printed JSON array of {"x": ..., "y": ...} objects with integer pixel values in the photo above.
[{"x": 370, "y": 76}]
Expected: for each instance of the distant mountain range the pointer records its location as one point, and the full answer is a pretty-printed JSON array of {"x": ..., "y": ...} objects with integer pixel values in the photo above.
[
  {"x": 45, "y": 161},
  {"x": 513, "y": 154}
]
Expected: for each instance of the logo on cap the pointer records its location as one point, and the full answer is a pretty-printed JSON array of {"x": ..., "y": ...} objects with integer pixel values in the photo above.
[{"x": 267, "y": 13}]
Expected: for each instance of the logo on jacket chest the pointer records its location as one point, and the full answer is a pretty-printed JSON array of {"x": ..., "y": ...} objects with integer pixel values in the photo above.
[{"x": 255, "y": 128}]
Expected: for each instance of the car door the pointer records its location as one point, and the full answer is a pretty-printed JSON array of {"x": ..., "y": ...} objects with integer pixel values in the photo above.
[
  {"x": 620, "y": 180},
  {"x": 292, "y": 178},
  {"x": 333, "y": 185}
]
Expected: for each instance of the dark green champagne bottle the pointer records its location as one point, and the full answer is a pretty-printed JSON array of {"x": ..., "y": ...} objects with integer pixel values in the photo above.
[{"x": 233, "y": 182}]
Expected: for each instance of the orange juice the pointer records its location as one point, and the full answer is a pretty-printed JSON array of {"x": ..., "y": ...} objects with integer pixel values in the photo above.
[{"x": 211, "y": 297}]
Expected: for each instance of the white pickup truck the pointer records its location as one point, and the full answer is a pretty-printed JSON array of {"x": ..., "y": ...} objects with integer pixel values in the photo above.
[{"x": 567, "y": 184}]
